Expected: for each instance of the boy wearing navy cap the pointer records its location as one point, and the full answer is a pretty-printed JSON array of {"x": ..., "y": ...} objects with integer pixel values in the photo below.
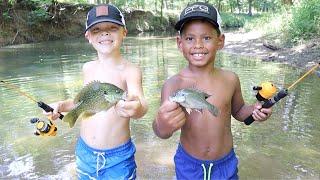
[
  {"x": 104, "y": 149},
  {"x": 206, "y": 149}
]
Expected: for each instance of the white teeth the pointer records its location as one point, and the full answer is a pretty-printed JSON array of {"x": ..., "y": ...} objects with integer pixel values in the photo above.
[
  {"x": 198, "y": 55},
  {"x": 105, "y": 42}
]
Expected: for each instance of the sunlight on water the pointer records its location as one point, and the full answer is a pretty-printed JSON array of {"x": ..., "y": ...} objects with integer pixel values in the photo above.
[{"x": 285, "y": 147}]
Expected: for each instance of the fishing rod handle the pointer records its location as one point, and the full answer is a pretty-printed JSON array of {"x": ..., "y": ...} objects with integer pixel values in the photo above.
[
  {"x": 47, "y": 108},
  {"x": 269, "y": 103}
]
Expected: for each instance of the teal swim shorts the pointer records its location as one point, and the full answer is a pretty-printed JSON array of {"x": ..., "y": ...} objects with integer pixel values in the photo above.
[{"x": 116, "y": 163}]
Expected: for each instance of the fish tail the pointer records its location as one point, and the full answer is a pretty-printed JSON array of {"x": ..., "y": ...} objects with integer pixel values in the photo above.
[
  {"x": 71, "y": 118},
  {"x": 214, "y": 111}
]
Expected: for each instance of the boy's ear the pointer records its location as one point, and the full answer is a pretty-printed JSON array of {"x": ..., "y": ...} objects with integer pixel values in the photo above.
[
  {"x": 86, "y": 35},
  {"x": 125, "y": 32},
  {"x": 179, "y": 43},
  {"x": 221, "y": 41}
]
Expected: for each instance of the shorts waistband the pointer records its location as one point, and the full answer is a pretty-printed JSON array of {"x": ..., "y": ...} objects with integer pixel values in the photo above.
[
  {"x": 228, "y": 156},
  {"x": 116, "y": 150}
]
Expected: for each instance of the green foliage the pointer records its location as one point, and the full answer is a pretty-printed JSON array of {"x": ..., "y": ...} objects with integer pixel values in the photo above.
[
  {"x": 6, "y": 16},
  {"x": 305, "y": 20},
  {"x": 232, "y": 20},
  {"x": 259, "y": 21},
  {"x": 73, "y": 1},
  {"x": 37, "y": 16}
]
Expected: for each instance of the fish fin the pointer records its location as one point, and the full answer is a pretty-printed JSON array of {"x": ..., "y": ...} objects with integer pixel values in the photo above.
[
  {"x": 87, "y": 114},
  {"x": 214, "y": 110},
  {"x": 71, "y": 118},
  {"x": 188, "y": 110}
]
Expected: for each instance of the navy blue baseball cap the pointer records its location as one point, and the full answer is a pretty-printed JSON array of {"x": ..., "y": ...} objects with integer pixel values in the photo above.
[
  {"x": 199, "y": 10},
  {"x": 104, "y": 13}
]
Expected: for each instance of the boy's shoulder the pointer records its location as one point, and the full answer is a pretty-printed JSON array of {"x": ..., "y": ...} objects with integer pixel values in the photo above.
[
  {"x": 178, "y": 81},
  {"x": 227, "y": 73},
  {"x": 131, "y": 68},
  {"x": 89, "y": 65},
  {"x": 228, "y": 76}
]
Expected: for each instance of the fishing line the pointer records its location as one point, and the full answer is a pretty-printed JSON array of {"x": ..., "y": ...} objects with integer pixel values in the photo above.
[
  {"x": 41, "y": 104},
  {"x": 16, "y": 88},
  {"x": 305, "y": 75}
]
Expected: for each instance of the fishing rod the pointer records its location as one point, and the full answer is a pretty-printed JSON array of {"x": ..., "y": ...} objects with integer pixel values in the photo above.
[
  {"x": 264, "y": 96},
  {"x": 41, "y": 104}
]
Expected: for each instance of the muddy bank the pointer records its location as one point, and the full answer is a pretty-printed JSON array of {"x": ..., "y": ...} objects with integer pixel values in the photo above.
[
  {"x": 254, "y": 44},
  {"x": 30, "y": 24}
]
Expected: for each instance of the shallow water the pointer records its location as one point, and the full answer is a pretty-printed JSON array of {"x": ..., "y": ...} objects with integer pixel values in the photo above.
[{"x": 285, "y": 147}]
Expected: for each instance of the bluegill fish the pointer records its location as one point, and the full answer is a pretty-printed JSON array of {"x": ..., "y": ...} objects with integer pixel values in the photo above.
[
  {"x": 193, "y": 99},
  {"x": 93, "y": 98}
]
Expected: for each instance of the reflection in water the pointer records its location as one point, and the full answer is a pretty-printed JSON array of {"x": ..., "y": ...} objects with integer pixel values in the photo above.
[{"x": 286, "y": 146}]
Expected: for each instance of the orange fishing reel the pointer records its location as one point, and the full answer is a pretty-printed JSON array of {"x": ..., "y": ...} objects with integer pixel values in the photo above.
[
  {"x": 44, "y": 127},
  {"x": 265, "y": 91},
  {"x": 267, "y": 94}
]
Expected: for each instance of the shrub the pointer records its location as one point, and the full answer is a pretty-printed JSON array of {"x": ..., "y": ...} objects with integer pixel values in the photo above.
[
  {"x": 37, "y": 16},
  {"x": 305, "y": 20}
]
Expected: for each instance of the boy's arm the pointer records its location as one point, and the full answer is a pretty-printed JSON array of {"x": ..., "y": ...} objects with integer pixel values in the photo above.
[
  {"x": 170, "y": 116},
  {"x": 135, "y": 106},
  {"x": 241, "y": 111}
]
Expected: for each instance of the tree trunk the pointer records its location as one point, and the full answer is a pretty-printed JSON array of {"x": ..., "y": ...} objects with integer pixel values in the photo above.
[
  {"x": 231, "y": 7},
  {"x": 156, "y": 5},
  {"x": 239, "y": 6},
  {"x": 287, "y": 2},
  {"x": 161, "y": 10},
  {"x": 250, "y": 7},
  {"x": 219, "y": 5}
]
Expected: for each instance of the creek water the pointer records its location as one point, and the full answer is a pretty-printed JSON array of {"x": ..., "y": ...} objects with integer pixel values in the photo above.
[{"x": 287, "y": 146}]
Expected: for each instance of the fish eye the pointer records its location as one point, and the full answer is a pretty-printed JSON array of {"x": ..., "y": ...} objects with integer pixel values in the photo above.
[
  {"x": 105, "y": 92},
  {"x": 117, "y": 91}
]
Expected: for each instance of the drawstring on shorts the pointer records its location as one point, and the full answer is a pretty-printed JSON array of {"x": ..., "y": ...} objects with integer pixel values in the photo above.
[
  {"x": 100, "y": 154},
  {"x": 205, "y": 171}
]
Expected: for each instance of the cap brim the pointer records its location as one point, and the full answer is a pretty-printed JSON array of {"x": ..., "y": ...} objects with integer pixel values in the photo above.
[
  {"x": 181, "y": 22},
  {"x": 104, "y": 20}
]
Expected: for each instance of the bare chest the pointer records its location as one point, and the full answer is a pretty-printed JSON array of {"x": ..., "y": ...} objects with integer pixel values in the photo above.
[
  {"x": 109, "y": 75},
  {"x": 220, "y": 92}
]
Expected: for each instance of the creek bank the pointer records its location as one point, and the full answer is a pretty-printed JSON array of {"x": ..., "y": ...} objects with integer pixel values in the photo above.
[
  {"x": 58, "y": 21},
  {"x": 29, "y": 24},
  {"x": 255, "y": 44}
]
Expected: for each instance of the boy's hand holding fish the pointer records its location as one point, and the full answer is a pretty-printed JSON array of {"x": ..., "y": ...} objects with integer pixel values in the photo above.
[
  {"x": 130, "y": 107},
  {"x": 171, "y": 117}
]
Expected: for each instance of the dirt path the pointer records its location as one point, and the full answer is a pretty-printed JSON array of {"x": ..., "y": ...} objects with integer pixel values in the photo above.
[{"x": 252, "y": 44}]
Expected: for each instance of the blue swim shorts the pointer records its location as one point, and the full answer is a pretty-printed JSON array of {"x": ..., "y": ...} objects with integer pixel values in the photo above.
[
  {"x": 188, "y": 167},
  {"x": 116, "y": 163}
]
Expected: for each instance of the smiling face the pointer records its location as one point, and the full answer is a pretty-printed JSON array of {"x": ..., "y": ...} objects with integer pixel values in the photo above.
[
  {"x": 199, "y": 42},
  {"x": 106, "y": 37}
]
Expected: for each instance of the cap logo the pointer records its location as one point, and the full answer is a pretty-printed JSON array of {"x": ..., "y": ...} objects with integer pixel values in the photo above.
[
  {"x": 196, "y": 8},
  {"x": 102, "y": 11}
]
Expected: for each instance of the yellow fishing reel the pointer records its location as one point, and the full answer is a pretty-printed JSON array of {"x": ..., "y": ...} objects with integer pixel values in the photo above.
[
  {"x": 44, "y": 127},
  {"x": 265, "y": 91}
]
